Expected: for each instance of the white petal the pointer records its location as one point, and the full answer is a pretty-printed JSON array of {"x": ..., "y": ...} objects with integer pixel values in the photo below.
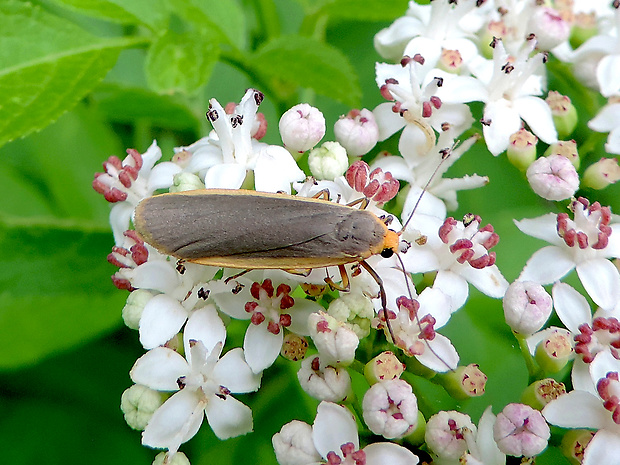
[
  {"x": 571, "y": 307},
  {"x": 225, "y": 176},
  {"x": 390, "y": 42},
  {"x": 228, "y": 417},
  {"x": 395, "y": 165},
  {"x": 120, "y": 214},
  {"x": 606, "y": 119},
  {"x": 261, "y": 347},
  {"x": 488, "y": 280},
  {"x": 436, "y": 303},
  {"x": 454, "y": 286},
  {"x": 602, "y": 364},
  {"x": 439, "y": 354},
  {"x": 504, "y": 121},
  {"x": 233, "y": 304},
  {"x": 608, "y": 75},
  {"x": 300, "y": 313},
  {"x": 162, "y": 175},
  {"x": 543, "y": 227},
  {"x": 159, "y": 369},
  {"x": 156, "y": 275},
  {"x": 161, "y": 319},
  {"x": 175, "y": 422},
  {"x": 601, "y": 279},
  {"x": 462, "y": 89},
  {"x": 537, "y": 114},
  {"x": 580, "y": 377},
  {"x": 547, "y": 265},
  {"x": 204, "y": 325},
  {"x": 613, "y": 246},
  {"x": 576, "y": 409},
  {"x": 275, "y": 170},
  {"x": 484, "y": 439},
  {"x": 233, "y": 372},
  {"x": 387, "y": 121},
  {"x": 380, "y": 453},
  {"x": 603, "y": 449},
  {"x": 415, "y": 142},
  {"x": 333, "y": 426}
]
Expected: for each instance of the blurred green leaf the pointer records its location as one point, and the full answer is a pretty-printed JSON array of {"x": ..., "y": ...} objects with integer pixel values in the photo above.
[
  {"x": 308, "y": 63},
  {"x": 180, "y": 62},
  {"x": 130, "y": 104},
  {"x": 54, "y": 290},
  {"x": 152, "y": 13},
  {"x": 47, "y": 65},
  {"x": 364, "y": 10},
  {"x": 222, "y": 17}
]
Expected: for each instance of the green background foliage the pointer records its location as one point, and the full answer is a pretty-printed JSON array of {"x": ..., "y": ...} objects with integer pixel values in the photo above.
[{"x": 82, "y": 80}]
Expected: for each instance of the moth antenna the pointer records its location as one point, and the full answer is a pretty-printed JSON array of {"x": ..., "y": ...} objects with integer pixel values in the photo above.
[
  {"x": 445, "y": 154},
  {"x": 417, "y": 317}
]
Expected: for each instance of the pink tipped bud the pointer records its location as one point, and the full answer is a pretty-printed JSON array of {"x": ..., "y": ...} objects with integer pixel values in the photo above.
[
  {"x": 520, "y": 430},
  {"x": 445, "y": 434},
  {"x": 566, "y": 148},
  {"x": 527, "y": 306},
  {"x": 553, "y": 177},
  {"x": 549, "y": 27},
  {"x": 384, "y": 367},
  {"x": 357, "y": 132},
  {"x": 391, "y": 409},
  {"x": 322, "y": 382},
  {"x": 563, "y": 112},
  {"x": 602, "y": 173},
  {"x": 302, "y": 127}
]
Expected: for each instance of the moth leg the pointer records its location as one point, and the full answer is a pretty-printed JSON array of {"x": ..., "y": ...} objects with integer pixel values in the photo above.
[
  {"x": 382, "y": 294},
  {"x": 235, "y": 276},
  {"x": 363, "y": 203},
  {"x": 322, "y": 194},
  {"x": 345, "y": 286}
]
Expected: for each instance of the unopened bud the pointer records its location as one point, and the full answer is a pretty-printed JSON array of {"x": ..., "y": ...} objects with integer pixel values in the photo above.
[
  {"x": 521, "y": 150},
  {"x": 584, "y": 27},
  {"x": 330, "y": 383},
  {"x": 383, "y": 367},
  {"x": 138, "y": 403},
  {"x": 293, "y": 444},
  {"x": 132, "y": 311},
  {"x": 541, "y": 392},
  {"x": 328, "y": 161},
  {"x": 335, "y": 342},
  {"x": 574, "y": 444},
  {"x": 464, "y": 382},
  {"x": 294, "y": 347},
  {"x": 566, "y": 148},
  {"x": 302, "y": 127},
  {"x": 354, "y": 309},
  {"x": 450, "y": 61},
  {"x": 390, "y": 409},
  {"x": 554, "y": 352},
  {"x": 527, "y": 306},
  {"x": 357, "y": 132},
  {"x": 163, "y": 458},
  {"x": 521, "y": 430},
  {"x": 549, "y": 27},
  {"x": 445, "y": 435},
  {"x": 601, "y": 174},
  {"x": 186, "y": 182},
  {"x": 553, "y": 177},
  {"x": 563, "y": 112}
]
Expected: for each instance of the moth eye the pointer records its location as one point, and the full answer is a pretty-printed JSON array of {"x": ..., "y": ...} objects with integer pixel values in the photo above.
[{"x": 387, "y": 253}]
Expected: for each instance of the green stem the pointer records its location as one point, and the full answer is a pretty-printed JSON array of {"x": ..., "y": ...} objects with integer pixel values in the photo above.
[{"x": 533, "y": 370}]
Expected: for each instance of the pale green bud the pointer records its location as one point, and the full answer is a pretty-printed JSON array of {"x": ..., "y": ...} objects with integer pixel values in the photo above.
[
  {"x": 132, "y": 311},
  {"x": 464, "y": 382},
  {"x": 328, "y": 161},
  {"x": 554, "y": 352},
  {"x": 601, "y": 174},
  {"x": 354, "y": 309},
  {"x": 521, "y": 150},
  {"x": 564, "y": 113},
  {"x": 138, "y": 403},
  {"x": 566, "y": 148},
  {"x": 186, "y": 182},
  {"x": 178, "y": 458},
  {"x": 383, "y": 367},
  {"x": 574, "y": 444},
  {"x": 541, "y": 392}
]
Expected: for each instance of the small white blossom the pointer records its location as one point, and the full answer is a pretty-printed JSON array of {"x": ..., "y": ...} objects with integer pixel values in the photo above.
[
  {"x": 553, "y": 177},
  {"x": 302, "y": 127}
]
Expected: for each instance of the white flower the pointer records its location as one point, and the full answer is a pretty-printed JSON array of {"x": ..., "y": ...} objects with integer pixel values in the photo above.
[
  {"x": 335, "y": 438},
  {"x": 230, "y": 151},
  {"x": 302, "y": 127},
  {"x": 324, "y": 382},
  {"x": 508, "y": 86},
  {"x": 583, "y": 243},
  {"x": 608, "y": 120},
  {"x": 553, "y": 177},
  {"x": 582, "y": 409},
  {"x": 203, "y": 383},
  {"x": 126, "y": 183}
]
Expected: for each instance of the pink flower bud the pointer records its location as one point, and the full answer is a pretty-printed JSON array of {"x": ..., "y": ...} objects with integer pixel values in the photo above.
[
  {"x": 293, "y": 444},
  {"x": 521, "y": 430},
  {"x": 329, "y": 383},
  {"x": 602, "y": 173},
  {"x": 302, "y": 127},
  {"x": 391, "y": 409},
  {"x": 527, "y": 306},
  {"x": 357, "y": 132},
  {"x": 445, "y": 434},
  {"x": 553, "y": 177},
  {"x": 335, "y": 342},
  {"x": 549, "y": 27}
]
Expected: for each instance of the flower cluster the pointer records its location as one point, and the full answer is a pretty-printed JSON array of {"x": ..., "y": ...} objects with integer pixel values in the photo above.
[{"x": 399, "y": 285}]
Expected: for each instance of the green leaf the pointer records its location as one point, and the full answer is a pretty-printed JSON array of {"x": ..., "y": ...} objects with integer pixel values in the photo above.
[
  {"x": 152, "y": 13},
  {"x": 364, "y": 10},
  {"x": 47, "y": 65},
  {"x": 305, "y": 62},
  {"x": 222, "y": 17},
  {"x": 180, "y": 62},
  {"x": 55, "y": 290},
  {"x": 128, "y": 104}
]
